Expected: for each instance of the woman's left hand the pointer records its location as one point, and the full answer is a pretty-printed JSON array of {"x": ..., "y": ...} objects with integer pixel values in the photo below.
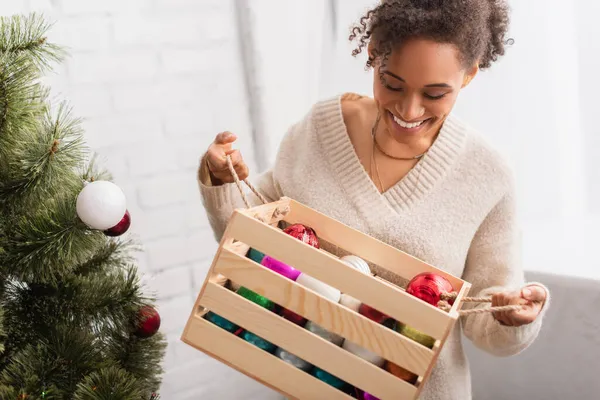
[{"x": 531, "y": 297}]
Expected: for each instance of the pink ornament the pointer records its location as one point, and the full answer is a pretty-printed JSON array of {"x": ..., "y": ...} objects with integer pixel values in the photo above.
[
  {"x": 121, "y": 227},
  {"x": 281, "y": 268},
  {"x": 429, "y": 287},
  {"x": 368, "y": 396}
]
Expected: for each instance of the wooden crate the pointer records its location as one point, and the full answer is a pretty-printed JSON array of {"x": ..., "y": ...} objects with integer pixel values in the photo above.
[{"x": 257, "y": 228}]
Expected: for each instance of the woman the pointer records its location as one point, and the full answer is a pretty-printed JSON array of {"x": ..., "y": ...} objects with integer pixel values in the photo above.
[{"x": 403, "y": 169}]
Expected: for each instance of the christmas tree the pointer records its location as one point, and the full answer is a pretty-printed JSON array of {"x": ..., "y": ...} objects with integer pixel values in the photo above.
[{"x": 74, "y": 320}]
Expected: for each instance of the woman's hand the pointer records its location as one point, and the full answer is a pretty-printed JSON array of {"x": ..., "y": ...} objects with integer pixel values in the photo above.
[
  {"x": 216, "y": 160},
  {"x": 531, "y": 297}
]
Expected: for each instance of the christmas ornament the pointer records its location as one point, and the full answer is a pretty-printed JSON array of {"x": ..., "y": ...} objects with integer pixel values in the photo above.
[
  {"x": 221, "y": 322},
  {"x": 415, "y": 335},
  {"x": 121, "y": 227},
  {"x": 357, "y": 263},
  {"x": 429, "y": 287},
  {"x": 149, "y": 322},
  {"x": 303, "y": 233},
  {"x": 328, "y": 378},
  {"x": 401, "y": 373},
  {"x": 256, "y": 298},
  {"x": 367, "y": 396},
  {"x": 292, "y": 359},
  {"x": 101, "y": 205},
  {"x": 350, "y": 302},
  {"x": 258, "y": 342},
  {"x": 373, "y": 314},
  {"x": 363, "y": 353},
  {"x": 255, "y": 255},
  {"x": 293, "y": 317},
  {"x": 281, "y": 268},
  {"x": 317, "y": 286},
  {"x": 323, "y": 333}
]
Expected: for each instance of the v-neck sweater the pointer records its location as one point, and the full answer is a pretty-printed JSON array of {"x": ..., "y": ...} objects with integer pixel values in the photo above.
[{"x": 455, "y": 210}]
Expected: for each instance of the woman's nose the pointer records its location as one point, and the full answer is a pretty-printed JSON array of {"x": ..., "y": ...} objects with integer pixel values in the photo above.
[{"x": 410, "y": 109}]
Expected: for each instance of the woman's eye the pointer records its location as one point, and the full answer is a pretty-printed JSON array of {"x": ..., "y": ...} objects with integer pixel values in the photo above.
[{"x": 435, "y": 96}]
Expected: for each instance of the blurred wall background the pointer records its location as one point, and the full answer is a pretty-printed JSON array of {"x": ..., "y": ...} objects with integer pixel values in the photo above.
[{"x": 156, "y": 80}]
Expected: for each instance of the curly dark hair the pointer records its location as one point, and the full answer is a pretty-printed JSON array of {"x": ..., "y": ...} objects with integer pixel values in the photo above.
[{"x": 476, "y": 27}]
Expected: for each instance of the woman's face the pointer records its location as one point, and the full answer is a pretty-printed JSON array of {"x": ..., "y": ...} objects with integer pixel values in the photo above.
[{"x": 417, "y": 88}]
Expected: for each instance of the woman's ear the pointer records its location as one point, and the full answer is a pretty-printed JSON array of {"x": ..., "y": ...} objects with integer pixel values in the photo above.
[{"x": 470, "y": 75}]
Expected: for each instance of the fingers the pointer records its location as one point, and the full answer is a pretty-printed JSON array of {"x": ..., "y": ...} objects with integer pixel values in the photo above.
[
  {"x": 534, "y": 293},
  {"x": 217, "y": 163},
  {"x": 225, "y": 138}
]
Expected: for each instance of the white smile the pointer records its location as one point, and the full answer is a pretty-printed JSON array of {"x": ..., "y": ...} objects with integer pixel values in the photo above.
[{"x": 407, "y": 125}]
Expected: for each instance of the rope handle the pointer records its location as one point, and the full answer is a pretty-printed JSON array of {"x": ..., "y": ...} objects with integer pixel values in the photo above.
[
  {"x": 445, "y": 298},
  {"x": 444, "y": 304}
]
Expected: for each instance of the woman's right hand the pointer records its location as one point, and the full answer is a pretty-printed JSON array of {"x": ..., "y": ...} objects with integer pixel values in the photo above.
[{"x": 216, "y": 160}]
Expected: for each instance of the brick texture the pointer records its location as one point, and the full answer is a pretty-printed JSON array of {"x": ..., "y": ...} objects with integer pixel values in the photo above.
[{"x": 154, "y": 81}]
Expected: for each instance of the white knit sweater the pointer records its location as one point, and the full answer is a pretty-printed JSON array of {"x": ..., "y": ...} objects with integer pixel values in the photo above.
[{"x": 454, "y": 210}]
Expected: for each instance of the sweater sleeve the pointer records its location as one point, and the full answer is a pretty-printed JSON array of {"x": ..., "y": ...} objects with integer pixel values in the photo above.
[
  {"x": 492, "y": 266},
  {"x": 220, "y": 201}
]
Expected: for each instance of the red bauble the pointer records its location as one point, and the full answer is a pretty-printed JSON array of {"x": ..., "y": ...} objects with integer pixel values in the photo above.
[
  {"x": 293, "y": 317},
  {"x": 148, "y": 322},
  {"x": 429, "y": 287},
  {"x": 121, "y": 227},
  {"x": 372, "y": 314},
  {"x": 303, "y": 233}
]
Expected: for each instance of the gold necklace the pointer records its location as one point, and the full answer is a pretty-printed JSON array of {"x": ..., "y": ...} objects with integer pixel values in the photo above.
[{"x": 373, "y": 134}]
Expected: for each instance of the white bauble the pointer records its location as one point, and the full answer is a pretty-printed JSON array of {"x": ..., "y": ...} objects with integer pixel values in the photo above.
[
  {"x": 101, "y": 205},
  {"x": 357, "y": 263},
  {"x": 350, "y": 302},
  {"x": 363, "y": 353},
  {"x": 322, "y": 288}
]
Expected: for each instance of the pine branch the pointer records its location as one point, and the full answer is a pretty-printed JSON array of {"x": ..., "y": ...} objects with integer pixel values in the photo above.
[
  {"x": 44, "y": 162},
  {"x": 46, "y": 245},
  {"x": 25, "y": 35},
  {"x": 113, "y": 254},
  {"x": 109, "y": 383},
  {"x": 2, "y": 333}
]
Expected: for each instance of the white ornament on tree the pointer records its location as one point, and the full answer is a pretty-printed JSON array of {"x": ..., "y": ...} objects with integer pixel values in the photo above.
[{"x": 101, "y": 205}]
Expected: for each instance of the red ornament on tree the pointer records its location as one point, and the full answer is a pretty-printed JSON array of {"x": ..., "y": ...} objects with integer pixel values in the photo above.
[
  {"x": 121, "y": 227},
  {"x": 429, "y": 287},
  {"x": 148, "y": 322},
  {"x": 303, "y": 233}
]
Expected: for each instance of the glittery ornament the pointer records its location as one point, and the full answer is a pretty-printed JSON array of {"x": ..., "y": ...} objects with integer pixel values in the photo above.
[
  {"x": 292, "y": 359},
  {"x": 367, "y": 396},
  {"x": 255, "y": 255},
  {"x": 415, "y": 335},
  {"x": 328, "y": 378},
  {"x": 256, "y": 298},
  {"x": 363, "y": 353},
  {"x": 357, "y": 263},
  {"x": 372, "y": 314},
  {"x": 121, "y": 227},
  {"x": 429, "y": 287},
  {"x": 149, "y": 322},
  {"x": 258, "y": 342},
  {"x": 400, "y": 372},
  {"x": 323, "y": 333},
  {"x": 304, "y": 234},
  {"x": 221, "y": 322},
  {"x": 279, "y": 267},
  {"x": 293, "y": 317}
]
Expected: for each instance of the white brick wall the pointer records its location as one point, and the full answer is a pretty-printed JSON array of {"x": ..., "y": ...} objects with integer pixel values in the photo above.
[{"x": 155, "y": 80}]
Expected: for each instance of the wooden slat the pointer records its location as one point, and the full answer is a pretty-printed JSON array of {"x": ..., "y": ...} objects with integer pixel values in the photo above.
[
  {"x": 306, "y": 345},
  {"x": 331, "y": 316},
  {"x": 382, "y": 296},
  {"x": 363, "y": 245},
  {"x": 256, "y": 363}
]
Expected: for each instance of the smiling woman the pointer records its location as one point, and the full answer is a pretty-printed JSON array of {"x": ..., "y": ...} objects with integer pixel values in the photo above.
[{"x": 400, "y": 167}]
